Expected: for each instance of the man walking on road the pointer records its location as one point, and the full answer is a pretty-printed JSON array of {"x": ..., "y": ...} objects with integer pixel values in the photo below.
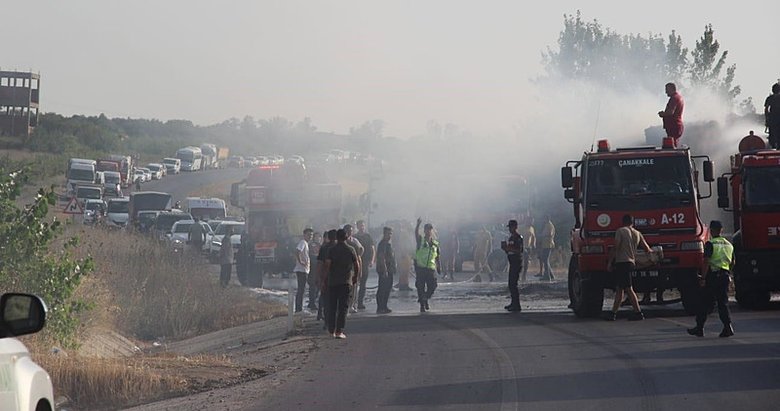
[
  {"x": 302, "y": 268},
  {"x": 329, "y": 240},
  {"x": 719, "y": 254},
  {"x": 547, "y": 244},
  {"x": 513, "y": 248},
  {"x": 367, "y": 259},
  {"x": 197, "y": 236},
  {"x": 343, "y": 266},
  {"x": 426, "y": 264},
  {"x": 627, "y": 241},
  {"x": 385, "y": 268}
]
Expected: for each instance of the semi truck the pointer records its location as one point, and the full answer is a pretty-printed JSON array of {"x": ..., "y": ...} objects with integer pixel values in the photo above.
[
  {"x": 659, "y": 187},
  {"x": 752, "y": 189},
  {"x": 278, "y": 203},
  {"x": 222, "y": 155},
  {"x": 80, "y": 171},
  {"x": 209, "y": 153}
]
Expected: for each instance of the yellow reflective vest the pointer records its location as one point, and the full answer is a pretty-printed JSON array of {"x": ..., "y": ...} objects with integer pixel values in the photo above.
[
  {"x": 722, "y": 254},
  {"x": 426, "y": 254}
]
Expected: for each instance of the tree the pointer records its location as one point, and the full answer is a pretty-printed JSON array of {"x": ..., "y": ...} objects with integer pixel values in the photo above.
[
  {"x": 28, "y": 261},
  {"x": 369, "y": 129},
  {"x": 705, "y": 71}
]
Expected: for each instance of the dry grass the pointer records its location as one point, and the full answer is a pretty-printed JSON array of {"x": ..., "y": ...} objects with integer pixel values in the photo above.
[
  {"x": 133, "y": 380},
  {"x": 144, "y": 291}
]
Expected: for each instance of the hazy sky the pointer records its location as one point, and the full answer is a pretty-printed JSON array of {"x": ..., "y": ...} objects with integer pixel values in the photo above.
[{"x": 339, "y": 62}]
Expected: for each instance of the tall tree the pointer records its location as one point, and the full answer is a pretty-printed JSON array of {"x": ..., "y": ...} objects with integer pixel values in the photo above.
[{"x": 705, "y": 71}]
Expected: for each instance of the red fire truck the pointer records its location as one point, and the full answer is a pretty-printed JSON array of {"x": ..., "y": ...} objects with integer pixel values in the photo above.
[
  {"x": 754, "y": 182},
  {"x": 278, "y": 203},
  {"x": 659, "y": 188}
]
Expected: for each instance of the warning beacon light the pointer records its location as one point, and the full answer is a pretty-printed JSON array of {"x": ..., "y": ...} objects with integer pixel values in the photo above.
[
  {"x": 603, "y": 146},
  {"x": 667, "y": 142}
]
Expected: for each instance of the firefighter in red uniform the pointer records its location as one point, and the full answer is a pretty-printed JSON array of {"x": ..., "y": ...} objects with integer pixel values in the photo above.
[{"x": 672, "y": 115}]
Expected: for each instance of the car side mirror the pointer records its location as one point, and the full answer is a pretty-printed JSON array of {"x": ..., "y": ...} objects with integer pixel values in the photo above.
[
  {"x": 723, "y": 192},
  {"x": 21, "y": 314},
  {"x": 709, "y": 174}
]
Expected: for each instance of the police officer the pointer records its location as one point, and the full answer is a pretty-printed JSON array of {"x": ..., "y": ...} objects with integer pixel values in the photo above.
[
  {"x": 513, "y": 248},
  {"x": 426, "y": 264},
  {"x": 719, "y": 254}
]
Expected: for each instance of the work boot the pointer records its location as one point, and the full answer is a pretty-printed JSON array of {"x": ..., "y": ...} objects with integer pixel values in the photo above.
[
  {"x": 427, "y": 306},
  {"x": 728, "y": 331},
  {"x": 422, "y": 307},
  {"x": 514, "y": 308},
  {"x": 696, "y": 331}
]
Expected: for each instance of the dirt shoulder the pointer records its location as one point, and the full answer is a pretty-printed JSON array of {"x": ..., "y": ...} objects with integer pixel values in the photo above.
[{"x": 262, "y": 355}]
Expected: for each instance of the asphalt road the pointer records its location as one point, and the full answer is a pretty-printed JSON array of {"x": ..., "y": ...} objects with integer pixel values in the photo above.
[{"x": 539, "y": 361}]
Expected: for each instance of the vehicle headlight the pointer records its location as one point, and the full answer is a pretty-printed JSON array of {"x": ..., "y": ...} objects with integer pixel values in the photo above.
[
  {"x": 178, "y": 241},
  {"x": 692, "y": 246},
  {"x": 592, "y": 249}
]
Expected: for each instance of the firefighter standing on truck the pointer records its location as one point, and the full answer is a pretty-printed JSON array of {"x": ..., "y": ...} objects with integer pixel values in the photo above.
[
  {"x": 719, "y": 254},
  {"x": 426, "y": 264}
]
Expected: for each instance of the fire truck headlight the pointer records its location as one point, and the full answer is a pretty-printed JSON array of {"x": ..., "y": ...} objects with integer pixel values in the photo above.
[
  {"x": 692, "y": 246},
  {"x": 592, "y": 249}
]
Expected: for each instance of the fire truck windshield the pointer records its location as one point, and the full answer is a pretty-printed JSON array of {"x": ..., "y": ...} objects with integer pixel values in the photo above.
[
  {"x": 638, "y": 183},
  {"x": 762, "y": 187}
]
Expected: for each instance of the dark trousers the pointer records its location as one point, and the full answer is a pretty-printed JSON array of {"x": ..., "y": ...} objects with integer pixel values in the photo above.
[
  {"x": 338, "y": 305},
  {"x": 363, "y": 280},
  {"x": 774, "y": 135},
  {"x": 302, "y": 277},
  {"x": 311, "y": 279},
  {"x": 383, "y": 290},
  {"x": 715, "y": 291},
  {"x": 515, "y": 267},
  {"x": 425, "y": 283},
  {"x": 224, "y": 274}
]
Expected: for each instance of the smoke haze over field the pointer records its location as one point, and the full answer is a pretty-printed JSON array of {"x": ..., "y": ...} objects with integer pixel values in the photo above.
[{"x": 341, "y": 62}]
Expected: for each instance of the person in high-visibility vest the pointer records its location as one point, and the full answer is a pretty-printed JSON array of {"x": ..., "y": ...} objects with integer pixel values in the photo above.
[
  {"x": 426, "y": 264},
  {"x": 719, "y": 255}
]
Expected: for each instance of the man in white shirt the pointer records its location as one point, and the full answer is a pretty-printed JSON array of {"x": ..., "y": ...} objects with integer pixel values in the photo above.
[{"x": 302, "y": 267}]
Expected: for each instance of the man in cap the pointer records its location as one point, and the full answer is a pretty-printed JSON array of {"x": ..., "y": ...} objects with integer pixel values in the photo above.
[
  {"x": 426, "y": 264},
  {"x": 513, "y": 248},
  {"x": 719, "y": 255}
]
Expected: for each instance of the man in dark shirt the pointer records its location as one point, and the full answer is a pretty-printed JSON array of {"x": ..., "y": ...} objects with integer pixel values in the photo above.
[
  {"x": 328, "y": 241},
  {"x": 513, "y": 248},
  {"x": 369, "y": 251},
  {"x": 672, "y": 115},
  {"x": 342, "y": 265},
  {"x": 385, "y": 268},
  {"x": 772, "y": 116}
]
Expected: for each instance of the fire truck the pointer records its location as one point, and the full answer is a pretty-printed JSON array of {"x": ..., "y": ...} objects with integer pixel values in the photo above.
[
  {"x": 657, "y": 186},
  {"x": 278, "y": 203},
  {"x": 754, "y": 182}
]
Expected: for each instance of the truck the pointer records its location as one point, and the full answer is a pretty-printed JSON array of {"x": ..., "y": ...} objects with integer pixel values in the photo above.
[
  {"x": 190, "y": 158},
  {"x": 148, "y": 201},
  {"x": 125, "y": 168},
  {"x": 209, "y": 152},
  {"x": 80, "y": 171},
  {"x": 205, "y": 208},
  {"x": 753, "y": 185},
  {"x": 278, "y": 203},
  {"x": 659, "y": 187},
  {"x": 222, "y": 155}
]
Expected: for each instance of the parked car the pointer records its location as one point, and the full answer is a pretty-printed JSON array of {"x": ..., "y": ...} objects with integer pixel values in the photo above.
[
  {"x": 155, "y": 170},
  {"x": 138, "y": 173},
  {"x": 180, "y": 233},
  {"x": 173, "y": 165},
  {"x": 215, "y": 242},
  {"x": 24, "y": 385},
  {"x": 147, "y": 173},
  {"x": 166, "y": 219}
]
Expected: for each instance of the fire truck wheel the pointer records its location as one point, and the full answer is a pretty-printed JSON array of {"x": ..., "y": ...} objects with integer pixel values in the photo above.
[{"x": 587, "y": 295}]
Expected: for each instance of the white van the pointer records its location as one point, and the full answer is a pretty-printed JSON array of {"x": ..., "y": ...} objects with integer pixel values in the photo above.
[
  {"x": 172, "y": 164},
  {"x": 118, "y": 212}
]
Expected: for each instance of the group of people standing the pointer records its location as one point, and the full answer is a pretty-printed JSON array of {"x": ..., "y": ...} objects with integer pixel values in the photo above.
[{"x": 336, "y": 271}]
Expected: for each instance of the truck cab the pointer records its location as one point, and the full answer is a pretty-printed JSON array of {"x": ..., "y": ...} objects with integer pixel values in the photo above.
[{"x": 658, "y": 186}]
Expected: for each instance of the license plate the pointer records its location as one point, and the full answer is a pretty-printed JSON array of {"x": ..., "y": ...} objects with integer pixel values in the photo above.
[{"x": 646, "y": 274}]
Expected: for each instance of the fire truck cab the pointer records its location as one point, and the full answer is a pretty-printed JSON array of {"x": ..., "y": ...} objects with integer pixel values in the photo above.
[
  {"x": 658, "y": 186},
  {"x": 754, "y": 183}
]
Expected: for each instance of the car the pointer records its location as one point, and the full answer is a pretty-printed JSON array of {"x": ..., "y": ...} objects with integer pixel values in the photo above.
[
  {"x": 155, "y": 170},
  {"x": 94, "y": 211},
  {"x": 251, "y": 162},
  {"x": 180, "y": 233},
  {"x": 263, "y": 161},
  {"x": 215, "y": 242},
  {"x": 147, "y": 173},
  {"x": 139, "y": 174},
  {"x": 165, "y": 220},
  {"x": 117, "y": 212},
  {"x": 145, "y": 220},
  {"x": 172, "y": 165},
  {"x": 24, "y": 385}
]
